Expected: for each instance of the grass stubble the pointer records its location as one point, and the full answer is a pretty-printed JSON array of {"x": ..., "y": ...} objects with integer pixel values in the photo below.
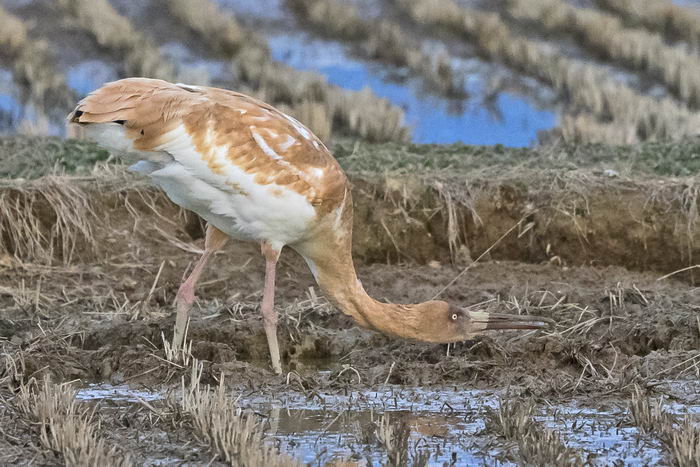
[
  {"x": 63, "y": 427},
  {"x": 394, "y": 437},
  {"x": 139, "y": 56},
  {"x": 679, "y": 438},
  {"x": 382, "y": 40},
  {"x": 674, "y": 21},
  {"x": 606, "y": 36},
  {"x": 222, "y": 434},
  {"x": 537, "y": 445},
  {"x": 237, "y": 436},
  {"x": 304, "y": 94},
  {"x": 599, "y": 108}
]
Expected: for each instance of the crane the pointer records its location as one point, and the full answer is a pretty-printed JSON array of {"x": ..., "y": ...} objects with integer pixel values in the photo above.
[{"x": 256, "y": 174}]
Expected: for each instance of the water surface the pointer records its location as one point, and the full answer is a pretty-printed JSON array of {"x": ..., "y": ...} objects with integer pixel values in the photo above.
[
  {"x": 448, "y": 423},
  {"x": 505, "y": 118}
]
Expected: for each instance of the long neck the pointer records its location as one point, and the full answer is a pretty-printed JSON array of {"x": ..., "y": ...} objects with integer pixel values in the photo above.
[{"x": 329, "y": 256}]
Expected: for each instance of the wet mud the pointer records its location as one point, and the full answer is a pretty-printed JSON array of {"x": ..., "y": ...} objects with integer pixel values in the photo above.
[
  {"x": 90, "y": 267},
  {"x": 105, "y": 323}
]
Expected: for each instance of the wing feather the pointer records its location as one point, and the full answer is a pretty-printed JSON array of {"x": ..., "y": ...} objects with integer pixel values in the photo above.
[{"x": 224, "y": 127}]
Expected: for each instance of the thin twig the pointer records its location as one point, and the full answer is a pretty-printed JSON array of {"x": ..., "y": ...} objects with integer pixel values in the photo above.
[
  {"x": 680, "y": 270},
  {"x": 488, "y": 250}
]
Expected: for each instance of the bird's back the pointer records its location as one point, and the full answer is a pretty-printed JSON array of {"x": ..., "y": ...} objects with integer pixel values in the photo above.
[{"x": 243, "y": 165}]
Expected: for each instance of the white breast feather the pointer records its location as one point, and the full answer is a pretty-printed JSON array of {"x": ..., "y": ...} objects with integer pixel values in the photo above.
[{"x": 232, "y": 201}]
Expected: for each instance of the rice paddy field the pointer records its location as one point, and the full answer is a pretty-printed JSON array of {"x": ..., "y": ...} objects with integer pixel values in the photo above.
[{"x": 518, "y": 156}]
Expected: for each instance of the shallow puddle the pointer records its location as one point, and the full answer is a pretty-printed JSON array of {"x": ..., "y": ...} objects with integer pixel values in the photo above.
[
  {"x": 122, "y": 393},
  {"x": 601, "y": 434},
  {"x": 445, "y": 423}
]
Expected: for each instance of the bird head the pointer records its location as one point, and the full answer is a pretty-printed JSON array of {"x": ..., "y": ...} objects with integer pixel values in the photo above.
[{"x": 444, "y": 323}]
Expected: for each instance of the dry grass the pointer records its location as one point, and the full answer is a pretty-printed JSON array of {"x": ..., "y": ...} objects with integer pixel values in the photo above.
[
  {"x": 627, "y": 116},
  {"x": 305, "y": 95},
  {"x": 178, "y": 355},
  {"x": 235, "y": 435},
  {"x": 394, "y": 439},
  {"x": 382, "y": 40},
  {"x": 31, "y": 64},
  {"x": 649, "y": 417},
  {"x": 217, "y": 27},
  {"x": 300, "y": 94},
  {"x": 114, "y": 32},
  {"x": 512, "y": 420},
  {"x": 585, "y": 128},
  {"x": 65, "y": 427},
  {"x": 45, "y": 219},
  {"x": 394, "y": 435},
  {"x": 675, "y": 22},
  {"x": 680, "y": 439},
  {"x": 367, "y": 116},
  {"x": 607, "y": 37},
  {"x": 683, "y": 444},
  {"x": 344, "y": 21},
  {"x": 537, "y": 444},
  {"x": 54, "y": 219}
]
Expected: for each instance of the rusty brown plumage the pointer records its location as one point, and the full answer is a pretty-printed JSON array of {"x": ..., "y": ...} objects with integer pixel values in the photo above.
[{"x": 151, "y": 109}]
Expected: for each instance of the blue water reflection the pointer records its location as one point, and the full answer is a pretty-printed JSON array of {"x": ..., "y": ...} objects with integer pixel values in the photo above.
[
  {"x": 509, "y": 119},
  {"x": 89, "y": 75},
  {"x": 694, "y": 4},
  {"x": 10, "y": 107}
]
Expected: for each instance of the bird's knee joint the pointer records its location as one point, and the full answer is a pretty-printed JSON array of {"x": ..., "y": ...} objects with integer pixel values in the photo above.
[
  {"x": 185, "y": 295},
  {"x": 270, "y": 320}
]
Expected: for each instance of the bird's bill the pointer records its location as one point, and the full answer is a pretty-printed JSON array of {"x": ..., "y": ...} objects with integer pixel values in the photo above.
[{"x": 503, "y": 321}]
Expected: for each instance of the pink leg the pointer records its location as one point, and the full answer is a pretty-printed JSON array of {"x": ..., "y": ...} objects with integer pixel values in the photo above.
[
  {"x": 268, "y": 305},
  {"x": 215, "y": 239}
]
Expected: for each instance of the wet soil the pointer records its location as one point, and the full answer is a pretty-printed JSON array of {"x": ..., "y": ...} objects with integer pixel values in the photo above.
[
  {"x": 89, "y": 268},
  {"x": 104, "y": 322},
  {"x": 608, "y": 320}
]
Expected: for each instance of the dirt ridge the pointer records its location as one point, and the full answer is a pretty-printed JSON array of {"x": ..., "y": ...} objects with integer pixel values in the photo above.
[{"x": 570, "y": 218}]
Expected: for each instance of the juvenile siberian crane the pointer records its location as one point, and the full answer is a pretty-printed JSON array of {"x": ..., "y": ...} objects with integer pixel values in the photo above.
[{"x": 254, "y": 173}]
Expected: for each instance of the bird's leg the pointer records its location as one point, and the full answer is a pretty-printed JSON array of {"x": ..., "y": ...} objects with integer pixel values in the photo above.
[
  {"x": 215, "y": 239},
  {"x": 268, "y": 305}
]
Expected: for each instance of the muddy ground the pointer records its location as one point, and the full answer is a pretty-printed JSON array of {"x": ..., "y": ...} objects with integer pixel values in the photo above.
[{"x": 90, "y": 266}]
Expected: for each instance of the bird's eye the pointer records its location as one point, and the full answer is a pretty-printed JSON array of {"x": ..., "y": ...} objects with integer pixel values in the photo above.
[{"x": 454, "y": 316}]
